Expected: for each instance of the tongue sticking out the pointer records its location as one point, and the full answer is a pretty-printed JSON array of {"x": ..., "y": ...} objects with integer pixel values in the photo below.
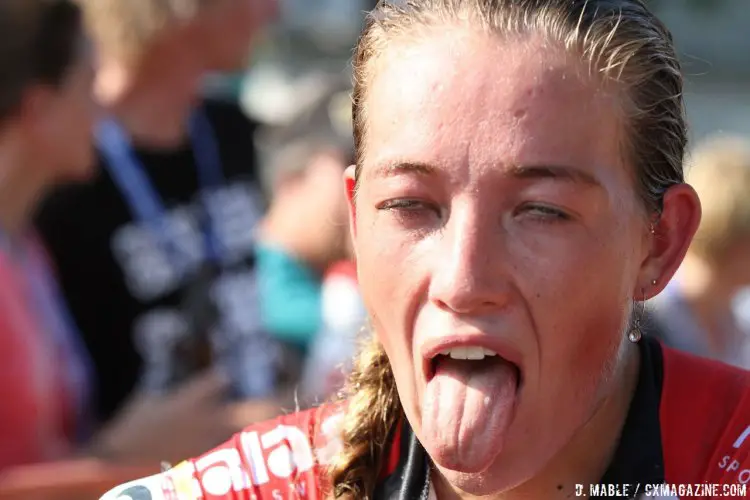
[{"x": 467, "y": 409}]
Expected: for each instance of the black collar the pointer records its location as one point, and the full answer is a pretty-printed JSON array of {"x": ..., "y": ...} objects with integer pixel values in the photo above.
[
  {"x": 411, "y": 480},
  {"x": 638, "y": 458}
]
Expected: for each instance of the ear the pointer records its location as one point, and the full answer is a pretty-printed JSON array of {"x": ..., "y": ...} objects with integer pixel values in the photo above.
[
  {"x": 672, "y": 234},
  {"x": 350, "y": 186}
]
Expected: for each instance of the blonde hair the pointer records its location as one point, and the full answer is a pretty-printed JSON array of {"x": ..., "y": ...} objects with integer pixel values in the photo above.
[
  {"x": 720, "y": 173},
  {"x": 623, "y": 43},
  {"x": 372, "y": 410},
  {"x": 124, "y": 29}
]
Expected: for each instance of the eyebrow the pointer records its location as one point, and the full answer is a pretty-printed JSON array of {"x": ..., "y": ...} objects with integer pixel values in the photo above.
[
  {"x": 559, "y": 172},
  {"x": 554, "y": 172},
  {"x": 404, "y": 167}
]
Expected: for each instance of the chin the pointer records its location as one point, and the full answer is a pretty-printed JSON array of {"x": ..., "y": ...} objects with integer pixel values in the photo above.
[
  {"x": 484, "y": 483},
  {"x": 448, "y": 459},
  {"x": 500, "y": 473}
]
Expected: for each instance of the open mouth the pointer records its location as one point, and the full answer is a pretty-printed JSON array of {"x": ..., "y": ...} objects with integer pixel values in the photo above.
[
  {"x": 469, "y": 359},
  {"x": 469, "y": 400}
]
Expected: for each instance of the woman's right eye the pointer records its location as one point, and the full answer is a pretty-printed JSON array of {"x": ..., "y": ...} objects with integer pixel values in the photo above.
[
  {"x": 402, "y": 204},
  {"x": 409, "y": 209}
]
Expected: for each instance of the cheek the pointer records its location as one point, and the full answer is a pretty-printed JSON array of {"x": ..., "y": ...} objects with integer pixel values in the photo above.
[
  {"x": 387, "y": 283},
  {"x": 386, "y": 280},
  {"x": 594, "y": 350},
  {"x": 579, "y": 341},
  {"x": 561, "y": 273},
  {"x": 578, "y": 346}
]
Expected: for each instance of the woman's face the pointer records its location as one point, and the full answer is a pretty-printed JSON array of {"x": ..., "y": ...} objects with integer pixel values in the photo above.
[{"x": 495, "y": 211}]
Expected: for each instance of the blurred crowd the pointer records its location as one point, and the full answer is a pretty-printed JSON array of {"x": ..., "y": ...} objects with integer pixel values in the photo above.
[{"x": 173, "y": 269}]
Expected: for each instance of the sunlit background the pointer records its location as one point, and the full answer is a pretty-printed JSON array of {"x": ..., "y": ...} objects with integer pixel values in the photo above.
[{"x": 313, "y": 36}]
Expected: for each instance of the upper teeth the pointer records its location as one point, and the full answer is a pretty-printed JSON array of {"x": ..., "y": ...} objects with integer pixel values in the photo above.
[{"x": 468, "y": 352}]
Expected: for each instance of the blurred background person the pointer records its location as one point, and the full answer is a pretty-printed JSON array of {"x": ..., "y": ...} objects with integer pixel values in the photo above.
[
  {"x": 306, "y": 274},
  {"x": 46, "y": 112},
  {"x": 304, "y": 230},
  {"x": 46, "y": 376},
  {"x": 157, "y": 254},
  {"x": 343, "y": 318},
  {"x": 698, "y": 310}
]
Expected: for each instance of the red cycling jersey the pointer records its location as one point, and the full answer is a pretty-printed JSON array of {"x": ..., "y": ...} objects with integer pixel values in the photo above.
[{"x": 688, "y": 426}]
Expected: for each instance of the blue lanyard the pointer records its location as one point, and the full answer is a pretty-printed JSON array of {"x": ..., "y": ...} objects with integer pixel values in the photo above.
[
  {"x": 60, "y": 327},
  {"x": 144, "y": 201}
]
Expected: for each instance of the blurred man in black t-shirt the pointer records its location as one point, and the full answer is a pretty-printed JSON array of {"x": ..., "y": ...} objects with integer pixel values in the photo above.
[{"x": 156, "y": 255}]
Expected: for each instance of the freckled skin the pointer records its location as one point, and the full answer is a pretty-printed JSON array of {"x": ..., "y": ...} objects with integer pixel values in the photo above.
[{"x": 477, "y": 251}]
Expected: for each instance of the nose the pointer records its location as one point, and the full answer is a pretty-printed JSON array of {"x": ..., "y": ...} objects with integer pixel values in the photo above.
[{"x": 470, "y": 274}]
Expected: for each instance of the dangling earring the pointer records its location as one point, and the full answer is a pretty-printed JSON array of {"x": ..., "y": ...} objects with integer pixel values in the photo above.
[{"x": 636, "y": 333}]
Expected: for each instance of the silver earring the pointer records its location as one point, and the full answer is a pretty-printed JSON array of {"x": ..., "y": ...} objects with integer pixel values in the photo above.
[
  {"x": 635, "y": 334},
  {"x": 653, "y": 282}
]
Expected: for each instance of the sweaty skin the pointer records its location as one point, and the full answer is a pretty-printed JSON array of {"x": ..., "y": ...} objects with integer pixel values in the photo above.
[{"x": 497, "y": 193}]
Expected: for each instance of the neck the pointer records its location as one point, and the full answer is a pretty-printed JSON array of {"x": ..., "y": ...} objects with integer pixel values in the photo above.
[
  {"x": 153, "y": 100},
  {"x": 585, "y": 458},
  {"x": 21, "y": 186}
]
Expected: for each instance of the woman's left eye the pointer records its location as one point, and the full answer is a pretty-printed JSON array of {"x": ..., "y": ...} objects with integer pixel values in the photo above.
[{"x": 544, "y": 213}]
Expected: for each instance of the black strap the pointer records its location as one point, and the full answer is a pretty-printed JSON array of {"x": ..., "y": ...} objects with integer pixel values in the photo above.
[
  {"x": 639, "y": 458},
  {"x": 416, "y": 482},
  {"x": 410, "y": 480}
]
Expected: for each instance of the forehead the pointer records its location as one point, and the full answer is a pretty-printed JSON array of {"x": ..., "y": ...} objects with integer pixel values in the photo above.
[{"x": 458, "y": 97}]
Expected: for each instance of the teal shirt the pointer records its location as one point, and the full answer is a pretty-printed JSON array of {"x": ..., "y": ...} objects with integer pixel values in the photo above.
[{"x": 289, "y": 293}]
